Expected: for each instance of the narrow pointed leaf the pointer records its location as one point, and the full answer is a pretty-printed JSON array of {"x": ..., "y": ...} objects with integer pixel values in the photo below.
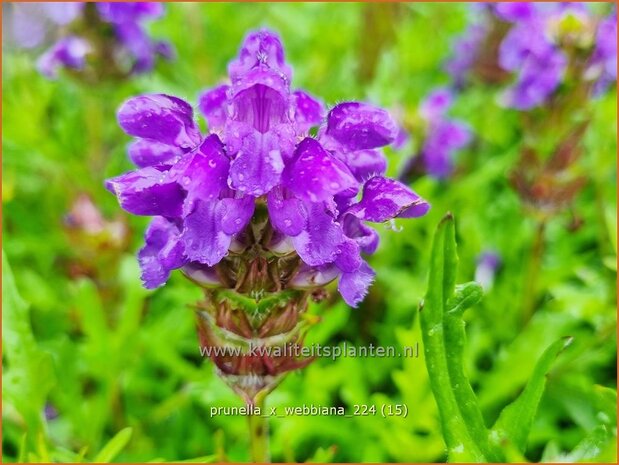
[
  {"x": 114, "y": 446},
  {"x": 443, "y": 337},
  {"x": 516, "y": 419}
]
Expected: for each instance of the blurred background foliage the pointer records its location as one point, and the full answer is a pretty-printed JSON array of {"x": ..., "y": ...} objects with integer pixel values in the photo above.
[{"x": 95, "y": 367}]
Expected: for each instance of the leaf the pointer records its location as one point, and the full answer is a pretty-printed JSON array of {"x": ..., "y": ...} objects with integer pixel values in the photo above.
[
  {"x": 516, "y": 419},
  {"x": 91, "y": 311},
  {"x": 30, "y": 375},
  {"x": 606, "y": 402},
  {"x": 443, "y": 336},
  {"x": 592, "y": 446},
  {"x": 114, "y": 446}
]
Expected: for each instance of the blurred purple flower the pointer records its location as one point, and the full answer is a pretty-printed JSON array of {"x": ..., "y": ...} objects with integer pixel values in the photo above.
[
  {"x": 69, "y": 52},
  {"x": 516, "y": 11},
  {"x": 203, "y": 190},
  {"x": 50, "y": 412},
  {"x": 444, "y": 136},
  {"x": 30, "y": 24},
  {"x": 488, "y": 263},
  {"x": 603, "y": 65},
  {"x": 538, "y": 63},
  {"x": 465, "y": 52}
]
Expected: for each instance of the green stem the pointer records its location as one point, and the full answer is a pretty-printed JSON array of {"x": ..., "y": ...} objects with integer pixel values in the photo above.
[
  {"x": 259, "y": 433},
  {"x": 535, "y": 263}
]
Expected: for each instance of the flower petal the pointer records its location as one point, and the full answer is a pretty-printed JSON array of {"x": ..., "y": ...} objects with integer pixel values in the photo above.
[
  {"x": 308, "y": 111},
  {"x": 359, "y": 126},
  {"x": 212, "y": 104},
  {"x": 201, "y": 274},
  {"x": 162, "y": 252},
  {"x": 236, "y": 213},
  {"x": 365, "y": 164},
  {"x": 318, "y": 243},
  {"x": 258, "y": 166},
  {"x": 349, "y": 256},
  {"x": 204, "y": 240},
  {"x": 148, "y": 191},
  {"x": 366, "y": 238},
  {"x": 259, "y": 106},
  {"x": 287, "y": 215},
  {"x": 385, "y": 198},
  {"x": 354, "y": 286},
  {"x": 203, "y": 173},
  {"x": 309, "y": 276},
  {"x": 314, "y": 174},
  {"x": 145, "y": 152},
  {"x": 160, "y": 117},
  {"x": 260, "y": 49}
]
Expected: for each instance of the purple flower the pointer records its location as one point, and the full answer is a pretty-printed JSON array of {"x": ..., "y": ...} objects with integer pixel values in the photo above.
[
  {"x": 203, "y": 190},
  {"x": 465, "y": 53},
  {"x": 444, "y": 136},
  {"x": 603, "y": 64},
  {"x": 535, "y": 48},
  {"x": 538, "y": 63},
  {"x": 69, "y": 52},
  {"x": 516, "y": 11},
  {"x": 30, "y": 24},
  {"x": 488, "y": 263}
]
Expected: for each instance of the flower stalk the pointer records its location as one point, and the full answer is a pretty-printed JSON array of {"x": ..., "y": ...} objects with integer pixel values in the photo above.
[{"x": 259, "y": 433}]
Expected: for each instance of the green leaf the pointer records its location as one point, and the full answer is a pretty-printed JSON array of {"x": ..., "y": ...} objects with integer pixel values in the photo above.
[
  {"x": 606, "y": 402},
  {"x": 516, "y": 419},
  {"x": 91, "y": 311},
  {"x": 443, "y": 337},
  {"x": 30, "y": 375},
  {"x": 114, "y": 446},
  {"x": 592, "y": 446}
]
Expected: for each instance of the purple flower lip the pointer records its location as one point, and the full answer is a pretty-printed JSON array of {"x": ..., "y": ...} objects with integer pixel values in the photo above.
[{"x": 203, "y": 189}]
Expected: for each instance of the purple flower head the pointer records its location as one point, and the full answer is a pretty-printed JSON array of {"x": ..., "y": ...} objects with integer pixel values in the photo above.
[
  {"x": 203, "y": 190},
  {"x": 535, "y": 48},
  {"x": 538, "y": 63},
  {"x": 444, "y": 136},
  {"x": 132, "y": 47}
]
